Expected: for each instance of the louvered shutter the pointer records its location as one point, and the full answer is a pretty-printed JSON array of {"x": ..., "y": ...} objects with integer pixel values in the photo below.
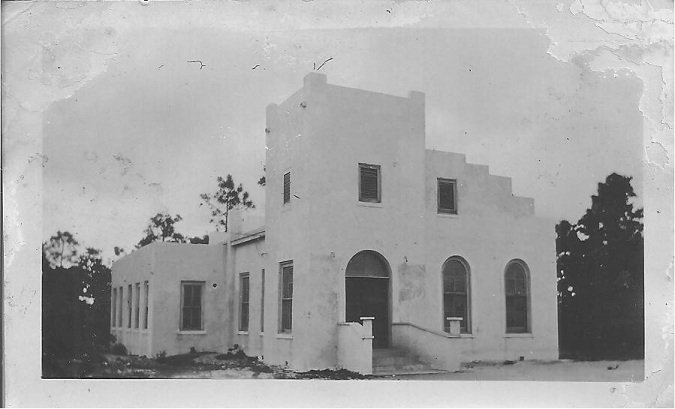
[
  {"x": 287, "y": 187},
  {"x": 370, "y": 184},
  {"x": 446, "y": 196}
]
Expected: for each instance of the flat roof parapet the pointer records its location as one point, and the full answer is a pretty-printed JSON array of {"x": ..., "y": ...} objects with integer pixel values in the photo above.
[
  {"x": 249, "y": 236},
  {"x": 313, "y": 79}
]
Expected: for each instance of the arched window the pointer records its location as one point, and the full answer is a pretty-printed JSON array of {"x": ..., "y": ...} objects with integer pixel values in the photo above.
[
  {"x": 456, "y": 293},
  {"x": 367, "y": 263},
  {"x": 517, "y": 289}
]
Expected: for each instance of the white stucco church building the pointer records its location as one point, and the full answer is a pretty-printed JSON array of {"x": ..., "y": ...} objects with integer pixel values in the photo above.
[{"x": 375, "y": 253}]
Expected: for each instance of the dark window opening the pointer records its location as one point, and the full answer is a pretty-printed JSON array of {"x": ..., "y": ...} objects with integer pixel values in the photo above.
[
  {"x": 447, "y": 196},
  {"x": 456, "y": 294},
  {"x": 262, "y": 302},
  {"x": 113, "y": 309},
  {"x": 120, "y": 306},
  {"x": 515, "y": 280},
  {"x": 244, "y": 291},
  {"x": 191, "y": 316},
  {"x": 129, "y": 300},
  {"x": 286, "y": 311},
  {"x": 287, "y": 187},
  {"x": 369, "y": 183},
  {"x": 147, "y": 305},
  {"x": 137, "y": 306}
]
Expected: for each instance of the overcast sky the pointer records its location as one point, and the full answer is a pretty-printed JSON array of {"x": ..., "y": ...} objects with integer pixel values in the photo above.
[{"x": 154, "y": 131}]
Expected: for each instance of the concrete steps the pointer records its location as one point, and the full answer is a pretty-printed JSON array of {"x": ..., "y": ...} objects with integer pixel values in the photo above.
[{"x": 392, "y": 361}]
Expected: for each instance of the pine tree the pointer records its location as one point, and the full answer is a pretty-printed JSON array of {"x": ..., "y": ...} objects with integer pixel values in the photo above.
[
  {"x": 601, "y": 275},
  {"x": 226, "y": 198}
]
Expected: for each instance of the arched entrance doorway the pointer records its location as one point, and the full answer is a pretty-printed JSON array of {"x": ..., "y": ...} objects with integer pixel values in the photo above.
[{"x": 367, "y": 293}]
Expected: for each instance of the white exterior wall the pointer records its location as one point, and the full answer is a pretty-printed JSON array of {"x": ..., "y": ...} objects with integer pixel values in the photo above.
[
  {"x": 134, "y": 268},
  {"x": 250, "y": 258},
  {"x": 349, "y": 127},
  {"x": 321, "y": 134},
  {"x": 492, "y": 227},
  {"x": 194, "y": 262},
  {"x": 287, "y": 233},
  {"x": 165, "y": 265},
  {"x": 346, "y": 127}
]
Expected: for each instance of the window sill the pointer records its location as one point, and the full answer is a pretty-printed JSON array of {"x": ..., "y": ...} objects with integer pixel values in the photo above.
[
  {"x": 459, "y": 335},
  {"x": 262, "y": 334},
  {"x": 242, "y": 332},
  {"x": 187, "y": 332},
  {"x": 285, "y": 336},
  {"x": 369, "y": 204},
  {"x": 143, "y": 331},
  {"x": 448, "y": 215},
  {"x": 527, "y": 335}
]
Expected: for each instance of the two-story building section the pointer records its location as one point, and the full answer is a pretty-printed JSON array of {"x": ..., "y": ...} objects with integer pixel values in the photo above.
[{"x": 374, "y": 249}]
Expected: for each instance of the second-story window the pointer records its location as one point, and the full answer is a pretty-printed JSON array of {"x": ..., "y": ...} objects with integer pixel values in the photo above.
[
  {"x": 447, "y": 196},
  {"x": 369, "y": 183},
  {"x": 287, "y": 187}
]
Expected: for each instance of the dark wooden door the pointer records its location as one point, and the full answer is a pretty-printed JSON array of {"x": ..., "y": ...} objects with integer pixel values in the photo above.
[{"x": 369, "y": 297}]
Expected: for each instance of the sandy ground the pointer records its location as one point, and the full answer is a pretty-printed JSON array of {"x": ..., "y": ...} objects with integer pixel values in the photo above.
[
  {"x": 223, "y": 374},
  {"x": 209, "y": 366},
  {"x": 572, "y": 371}
]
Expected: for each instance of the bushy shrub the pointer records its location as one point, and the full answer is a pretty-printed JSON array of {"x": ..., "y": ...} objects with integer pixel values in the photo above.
[
  {"x": 119, "y": 349},
  {"x": 161, "y": 357}
]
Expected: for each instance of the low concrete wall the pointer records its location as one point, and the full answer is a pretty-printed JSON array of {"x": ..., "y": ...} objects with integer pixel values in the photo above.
[
  {"x": 175, "y": 263},
  {"x": 355, "y": 347},
  {"x": 439, "y": 350}
]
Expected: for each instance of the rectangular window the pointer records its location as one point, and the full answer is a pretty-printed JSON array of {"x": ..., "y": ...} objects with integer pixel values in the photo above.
[
  {"x": 129, "y": 300},
  {"x": 120, "y": 303},
  {"x": 516, "y": 314},
  {"x": 113, "y": 309},
  {"x": 456, "y": 306},
  {"x": 146, "y": 314},
  {"x": 369, "y": 183},
  {"x": 137, "y": 306},
  {"x": 262, "y": 302},
  {"x": 286, "y": 292},
  {"x": 244, "y": 291},
  {"x": 447, "y": 196},
  {"x": 191, "y": 306},
  {"x": 287, "y": 187}
]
